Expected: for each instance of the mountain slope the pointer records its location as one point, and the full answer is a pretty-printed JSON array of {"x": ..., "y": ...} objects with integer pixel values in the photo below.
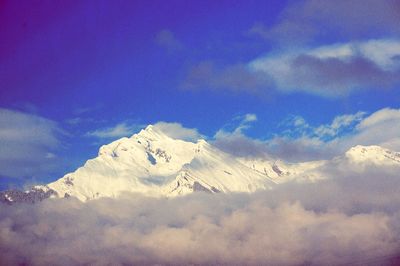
[
  {"x": 372, "y": 155},
  {"x": 152, "y": 163},
  {"x": 215, "y": 171}
]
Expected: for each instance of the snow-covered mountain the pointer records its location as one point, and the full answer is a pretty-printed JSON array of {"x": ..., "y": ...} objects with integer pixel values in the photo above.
[
  {"x": 155, "y": 164},
  {"x": 372, "y": 155}
]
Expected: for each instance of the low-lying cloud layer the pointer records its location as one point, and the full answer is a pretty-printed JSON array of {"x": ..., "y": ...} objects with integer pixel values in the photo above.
[{"x": 351, "y": 218}]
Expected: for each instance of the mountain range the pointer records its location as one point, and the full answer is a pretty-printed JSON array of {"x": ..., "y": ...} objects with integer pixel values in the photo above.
[{"x": 154, "y": 164}]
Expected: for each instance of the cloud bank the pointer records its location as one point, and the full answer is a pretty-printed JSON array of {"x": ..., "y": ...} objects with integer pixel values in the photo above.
[{"x": 351, "y": 218}]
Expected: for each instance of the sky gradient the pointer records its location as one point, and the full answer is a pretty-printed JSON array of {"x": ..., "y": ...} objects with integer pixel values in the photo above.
[{"x": 279, "y": 75}]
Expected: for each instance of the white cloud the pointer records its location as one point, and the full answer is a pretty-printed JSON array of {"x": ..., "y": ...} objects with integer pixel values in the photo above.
[
  {"x": 382, "y": 52},
  {"x": 177, "y": 131},
  {"x": 333, "y": 70},
  {"x": 300, "y": 141},
  {"x": 27, "y": 144},
  {"x": 350, "y": 218},
  {"x": 244, "y": 122},
  {"x": 311, "y": 20},
  {"x": 84, "y": 110},
  {"x": 345, "y": 131},
  {"x": 232, "y": 139},
  {"x": 74, "y": 121},
  {"x": 120, "y": 130},
  {"x": 382, "y": 116},
  {"x": 250, "y": 118},
  {"x": 381, "y": 128},
  {"x": 303, "y": 57},
  {"x": 345, "y": 220},
  {"x": 125, "y": 129},
  {"x": 338, "y": 124}
]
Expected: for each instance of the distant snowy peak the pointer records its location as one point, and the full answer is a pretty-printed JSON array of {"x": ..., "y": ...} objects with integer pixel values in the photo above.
[{"x": 372, "y": 155}]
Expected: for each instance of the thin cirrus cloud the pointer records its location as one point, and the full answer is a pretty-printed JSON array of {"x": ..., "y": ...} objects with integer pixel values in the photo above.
[
  {"x": 207, "y": 75},
  {"x": 307, "y": 21},
  {"x": 28, "y": 143},
  {"x": 122, "y": 129},
  {"x": 167, "y": 39},
  {"x": 300, "y": 141},
  {"x": 240, "y": 124},
  {"x": 346, "y": 131}
]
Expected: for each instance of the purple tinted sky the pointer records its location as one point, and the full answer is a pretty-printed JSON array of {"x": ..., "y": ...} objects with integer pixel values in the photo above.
[{"x": 106, "y": 62}]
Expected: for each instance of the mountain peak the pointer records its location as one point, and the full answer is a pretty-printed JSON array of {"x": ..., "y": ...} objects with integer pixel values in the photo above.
[
  {"x": 361, "y": 149},
  {"x": 373, "y": 153},
  {"x": 152, "y": 132}
]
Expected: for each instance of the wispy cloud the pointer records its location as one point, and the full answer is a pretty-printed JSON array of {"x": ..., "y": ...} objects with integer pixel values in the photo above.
[
  {"x": 345, "y": 131},
  {"x": 87, "y": 109},
  {"x": 123, "y": 129},
  {"x": 232, "y": 137},
  {"x": 126, "y": 129},
  {"x": 301, "y": 141},
  {"x": 297, "y": 126},
  {"x": 167, "y": 39},
  {"x": 207, "y": 75},
  {"x": 310, "y": 20},
  {"x": 177, "y": 131},
  {"x": 28, "y": 143},
  {"x": 236, "y": 127}
]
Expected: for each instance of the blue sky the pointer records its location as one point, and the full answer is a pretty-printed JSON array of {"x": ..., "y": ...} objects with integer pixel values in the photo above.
[{"x": 77, "y": 75}]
